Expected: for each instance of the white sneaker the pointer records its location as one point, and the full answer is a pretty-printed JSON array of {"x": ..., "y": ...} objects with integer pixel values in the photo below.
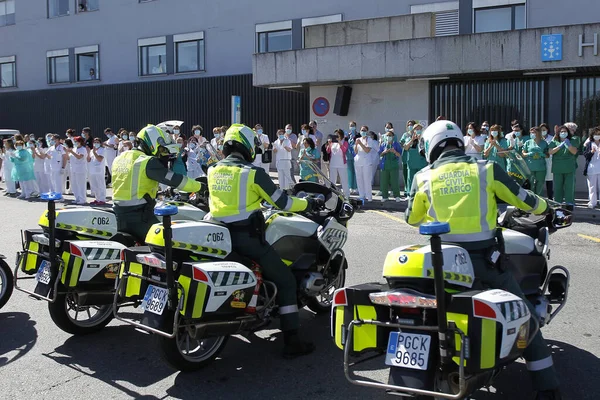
[
  {"x": 379, "y": 193},
  {"x": 590, "y": 206},
  {"x": 398, "y": 199}
]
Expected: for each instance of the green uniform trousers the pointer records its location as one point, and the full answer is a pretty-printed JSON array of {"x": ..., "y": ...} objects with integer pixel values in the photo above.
[
  {"x": 405, "y": 177},
  {"x": 390, "y": 176},
  {"x": 135, "y": 220},
  {"x": 274, "y": 270},
  {"x": 564, "y": 187},
  {"x": 411, "y": 175},
  {"x": 540, "y": 179},
  {"x": 537, "y": 355}
]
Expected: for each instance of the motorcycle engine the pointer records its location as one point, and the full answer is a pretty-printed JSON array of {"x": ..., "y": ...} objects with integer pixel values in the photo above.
[
  {"x": 312, "y": 284},
  {"x": 542, "y": 308}
]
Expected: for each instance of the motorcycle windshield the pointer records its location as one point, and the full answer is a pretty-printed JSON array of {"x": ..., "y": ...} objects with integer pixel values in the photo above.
[
  {"x": 519, "y": 170},
  {"x": 321, "y": 178}
]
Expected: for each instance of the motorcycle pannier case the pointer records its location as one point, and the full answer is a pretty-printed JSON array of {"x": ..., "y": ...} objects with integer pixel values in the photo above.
[
  {"x": 353, "y": 303},
  {"x": 30, "y": 262},
  {"x": 496, "y": 324},
  {"x": 216, "y": 289},
  {"x": 134, "y": 288}
]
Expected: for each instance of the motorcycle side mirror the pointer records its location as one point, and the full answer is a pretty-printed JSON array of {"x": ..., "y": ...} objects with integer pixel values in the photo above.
[
  {"x": 562, "y": 218},
  {"x": 204, "y": 168}
]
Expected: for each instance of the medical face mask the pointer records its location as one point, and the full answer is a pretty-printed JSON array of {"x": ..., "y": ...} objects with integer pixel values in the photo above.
[
  {"x": 390, "y": 139},
  {"x": 544, "y": 132},
  {"x": 281, "y": 137},
  {"x": 518, "y": 133},
  {"x": 197, "y": 132},
  {"x": 288, "y": 131},
  {"x": 418, "y": 132},
  {"x": 596, "y": 137},
  {"x": 471, "y": 132},
  {"x": 410, "y": 127},
  {"x": 19, "y": 147},
  {"x": 387, "y": 129},
  {"x": 176, "y": 131},
  {"x": 97, "y": 145},
  {"x": 304, "y": 132},
  {"x": 259, "y": 131},
  {"x": 352, "y": 128},
  {"x": 563, "y": 135},
  {"x": 132, "y": 138},
  {"x": 495, "y": 133},
  {"x": 363, "y": 133}
]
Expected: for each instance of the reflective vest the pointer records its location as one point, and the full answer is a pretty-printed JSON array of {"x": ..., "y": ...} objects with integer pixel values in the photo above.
[
  {"x": 462, "y": 191},
  {"x": 129, "y": 180},
  {"x": 237, "y": 189}
]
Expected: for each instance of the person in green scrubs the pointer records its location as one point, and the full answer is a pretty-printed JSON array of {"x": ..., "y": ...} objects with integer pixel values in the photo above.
[
  {"x": 535, "y": 152},
  {"x": 389, "y": 153},
  {"x": 496, "y": 146},
  {"x": 415, "y": 160},
  {"x": 564, "y": 149},
  {"x": 518, "y": 140},
  {"x": 406, "y": 137}
]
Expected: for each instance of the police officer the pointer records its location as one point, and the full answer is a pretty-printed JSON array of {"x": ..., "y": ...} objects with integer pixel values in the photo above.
[
  {"x": 457, "y": 189},
  {"x": 237, "y": 188},
  {"x": 135, "y": 179}
]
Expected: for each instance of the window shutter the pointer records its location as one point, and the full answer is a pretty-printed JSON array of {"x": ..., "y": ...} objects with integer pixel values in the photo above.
[{"x": 446, "y": 23}]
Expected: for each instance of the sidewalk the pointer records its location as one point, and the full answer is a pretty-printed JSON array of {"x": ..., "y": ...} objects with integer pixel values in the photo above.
[{"x": 580, "y": 214}]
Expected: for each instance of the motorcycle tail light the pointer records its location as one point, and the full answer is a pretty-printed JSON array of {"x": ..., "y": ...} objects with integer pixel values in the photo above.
[
  {"x": 339, "y": 298},
  {"x": 76, "y": 251},
  {"x": 406, "y": 298},
  {"x": 483, "y": 310}
]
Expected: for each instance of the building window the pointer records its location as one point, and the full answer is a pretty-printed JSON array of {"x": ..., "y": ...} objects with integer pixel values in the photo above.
[
  {"x": 88, "y": 5},
  {"x": 58, "y": 8},
  {"x": 8, "y": 72},
  {"x": 189, "y": 52},
  {"x": 495, "y": 19},
  {"x": 582, "y": 102},
  {"x": 58, "y": 66},
  {"x": 153, "y": 56},
  {"x": 87, "y": 63},
  {"x": 276, "y": 36},
  {"x": 7, "y": 12}
]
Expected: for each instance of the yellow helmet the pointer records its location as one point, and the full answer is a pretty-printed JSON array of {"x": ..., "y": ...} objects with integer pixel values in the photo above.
[
  {"x": 154, "y": 142},
  {"x": 242, "y": 139}
]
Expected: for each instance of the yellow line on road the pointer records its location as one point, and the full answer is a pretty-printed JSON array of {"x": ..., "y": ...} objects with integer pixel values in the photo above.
[
  {"x": 387, "y": 216},
  {"x": 589, "y": 237}
]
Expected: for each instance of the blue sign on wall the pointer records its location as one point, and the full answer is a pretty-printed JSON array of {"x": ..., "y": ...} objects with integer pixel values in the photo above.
[{"x": 552, "y": 47}]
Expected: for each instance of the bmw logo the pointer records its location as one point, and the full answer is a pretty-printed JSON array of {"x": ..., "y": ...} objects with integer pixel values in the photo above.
[
  {"x": 157, "y": 231},
  {"x": 403, "y": 259}
]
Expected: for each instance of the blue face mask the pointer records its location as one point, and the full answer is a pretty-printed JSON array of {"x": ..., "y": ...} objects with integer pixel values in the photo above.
[
  {"x": 387, "y": 129},
  {"x": 494, "y": 134},
  {"x": 564, "y": 135},
  {"x": 363, "y": 133},
  {"x": 518, "y": 134},
  {"x": 259, "y": 131},
  {"x": 353, "y": 128},
  {"x": 281, "y": 137}
]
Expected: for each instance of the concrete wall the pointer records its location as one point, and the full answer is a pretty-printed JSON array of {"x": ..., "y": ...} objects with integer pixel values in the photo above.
[
  {"x": 229, "y": 29},
  {"x": 439, "y": 56},
  {"x": 401, "y": 27},
  {"x": 375, "y": 104}
]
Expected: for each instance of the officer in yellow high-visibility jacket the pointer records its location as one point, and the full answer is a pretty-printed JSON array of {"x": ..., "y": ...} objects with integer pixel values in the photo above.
[
  {"x": 237, "y": 188},
  {"x": 462, "y": 191},
  {"x": 135, "y": 178}
]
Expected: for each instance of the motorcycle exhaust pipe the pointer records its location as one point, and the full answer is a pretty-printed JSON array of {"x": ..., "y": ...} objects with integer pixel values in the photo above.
[
  {"x": 222, "y": 328},
  {"x": 94, "y": 298}
]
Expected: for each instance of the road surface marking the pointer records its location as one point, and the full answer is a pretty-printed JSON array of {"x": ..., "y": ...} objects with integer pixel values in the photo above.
[
  {"x": 387, "y": 216},
  {"x": 594, "y": 239}
]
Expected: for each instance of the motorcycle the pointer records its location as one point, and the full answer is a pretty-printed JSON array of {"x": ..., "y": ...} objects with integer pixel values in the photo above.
[
  {"x": 6, "y": 281},
  {"x": 77, "y": 275},
  {"x": 442, "y": 334},
  {"x": 195, "y": 292}
]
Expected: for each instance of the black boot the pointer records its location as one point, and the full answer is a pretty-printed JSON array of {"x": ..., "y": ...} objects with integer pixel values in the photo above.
[
  {"x": 294, "y": 347},
  {"x": 549, "y": 395}
]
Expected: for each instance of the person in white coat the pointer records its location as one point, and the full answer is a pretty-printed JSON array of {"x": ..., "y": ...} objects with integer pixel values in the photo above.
[
  {"x": 66, "y": 177},
  {"x": 337, "y": 160},
  {"x": 57, "y": 158},
  {"x": 264, "y": 146},
  {"x": 79, "y": 173},
  {"x": 194, "y": 170},
  {"x": 39, "y": 165},
  {"x": 97, "y": 164},
  {"x": 283, "y": 159},
  {"x": 110, "y": 148},
  {"x": 363, "y": 163},
  {"x": 7, "y": 167}
]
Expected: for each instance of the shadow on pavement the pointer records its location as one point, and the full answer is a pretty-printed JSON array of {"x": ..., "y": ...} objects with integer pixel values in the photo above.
[{"x": 17, "y": 334}]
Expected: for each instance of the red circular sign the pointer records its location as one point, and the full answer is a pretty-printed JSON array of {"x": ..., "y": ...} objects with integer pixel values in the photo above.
[{"x": 320, "y": 106}]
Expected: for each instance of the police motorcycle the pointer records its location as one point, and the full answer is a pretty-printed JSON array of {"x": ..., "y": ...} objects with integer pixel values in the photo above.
[
  {"x": 6, "y": 281},
  {"x": 194, "y": 292},
  {"x": 443, "y": 335}
]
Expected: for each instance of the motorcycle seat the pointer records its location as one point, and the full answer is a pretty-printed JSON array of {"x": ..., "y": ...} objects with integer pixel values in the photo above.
[
  {"x": 124, "y": 238},
  {"x": 105, "y": 209}
]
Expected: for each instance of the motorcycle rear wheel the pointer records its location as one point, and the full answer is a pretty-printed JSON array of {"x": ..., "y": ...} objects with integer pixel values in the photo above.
[
  {"x": 322, "y": 304},
  {"x": 65, "y": 304},
  {"x": 187, "y": 354},
  {"x": 6, "y": 283}
]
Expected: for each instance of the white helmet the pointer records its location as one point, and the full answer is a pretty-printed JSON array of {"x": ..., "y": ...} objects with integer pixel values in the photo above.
[{"x": 436, "y": 136}]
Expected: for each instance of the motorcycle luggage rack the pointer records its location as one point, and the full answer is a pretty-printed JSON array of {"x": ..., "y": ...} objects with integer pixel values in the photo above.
[
  {"x": 565, "y": 295},
  {"x": 139, "y": 325},
  {"x": 407, "y": 391},
  {"x": 54, "y": 285}
]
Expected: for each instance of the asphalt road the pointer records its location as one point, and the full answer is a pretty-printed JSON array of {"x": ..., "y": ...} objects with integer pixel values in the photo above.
[{"x": 37, "y": 360}]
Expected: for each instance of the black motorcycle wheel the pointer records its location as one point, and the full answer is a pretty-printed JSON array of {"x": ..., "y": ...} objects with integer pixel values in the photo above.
[
  {"x": 65, "y": 305},
  {"x": 322, "y": 304},
  {"x": 187, "y": 354},
  {"x": 6, "y": 283}
]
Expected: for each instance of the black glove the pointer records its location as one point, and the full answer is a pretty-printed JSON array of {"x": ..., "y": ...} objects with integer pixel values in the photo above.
[{"x": 315, "y": 205}]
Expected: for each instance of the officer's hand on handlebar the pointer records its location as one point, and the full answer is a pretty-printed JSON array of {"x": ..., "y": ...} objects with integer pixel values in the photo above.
[{"x": 315, "y": 204}]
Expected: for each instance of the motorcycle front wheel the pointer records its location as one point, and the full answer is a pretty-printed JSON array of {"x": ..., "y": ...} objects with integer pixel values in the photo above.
[
  {"x": 6, "y": 283},
  {"x": 79, "y": 320},
  {"x": 187, "y": 354},
  {"x": 321, "y": 304}
]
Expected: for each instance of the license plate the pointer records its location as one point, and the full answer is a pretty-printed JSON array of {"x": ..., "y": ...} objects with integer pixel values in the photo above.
[
  {"x": 155, "y": 299},
  {"x": 408, "y": 350},
  {"x": 43, "y": 274}
]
